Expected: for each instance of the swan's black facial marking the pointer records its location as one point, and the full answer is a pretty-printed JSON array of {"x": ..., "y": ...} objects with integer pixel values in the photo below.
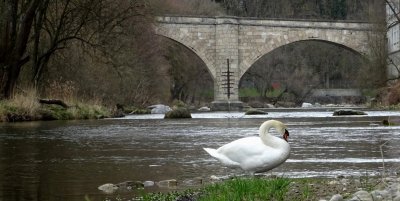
[{"x": 286, "y": 135}]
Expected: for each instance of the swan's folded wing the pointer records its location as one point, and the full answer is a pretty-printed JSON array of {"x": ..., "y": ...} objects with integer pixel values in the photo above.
[{"x": 242, "y": 149}]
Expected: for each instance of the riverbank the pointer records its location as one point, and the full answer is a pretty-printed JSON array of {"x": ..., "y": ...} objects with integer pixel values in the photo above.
[
  {"x": 286, "y": 189},
  {"x": 29, "y": 108}
]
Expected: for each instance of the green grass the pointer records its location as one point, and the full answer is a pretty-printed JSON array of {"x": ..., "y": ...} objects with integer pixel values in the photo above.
[{"x": 247, "y": 189}]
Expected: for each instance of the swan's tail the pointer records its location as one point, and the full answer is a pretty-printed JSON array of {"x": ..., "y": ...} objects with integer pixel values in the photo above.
[
  {"x": 221, "y": 157},
  {"x": 212, "y": 152}
]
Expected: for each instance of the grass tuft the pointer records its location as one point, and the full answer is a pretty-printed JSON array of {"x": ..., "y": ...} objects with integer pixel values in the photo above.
[
  {"x": 22, "y": 107},
  {"x": 247, "y": 189}
]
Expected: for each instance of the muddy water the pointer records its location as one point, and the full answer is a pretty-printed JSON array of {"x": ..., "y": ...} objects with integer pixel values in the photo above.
[{"x": 68, "y": 160}]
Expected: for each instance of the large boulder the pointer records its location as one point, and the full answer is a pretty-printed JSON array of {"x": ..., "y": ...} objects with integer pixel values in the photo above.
[
  {"x": 178, "y": 113},
  {"x": 159, "y": 109}
]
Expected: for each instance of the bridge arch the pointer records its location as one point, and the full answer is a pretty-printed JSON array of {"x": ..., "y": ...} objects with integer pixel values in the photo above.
[
  {"x": 250, "y": 61},
  {"x": 305, "y": 70},
  {"x": 184, "y": 38},
  {"x": 194, "y": 51}
]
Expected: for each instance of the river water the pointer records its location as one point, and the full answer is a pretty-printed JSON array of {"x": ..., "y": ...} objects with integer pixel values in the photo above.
[{"x": 68, "y": 160}]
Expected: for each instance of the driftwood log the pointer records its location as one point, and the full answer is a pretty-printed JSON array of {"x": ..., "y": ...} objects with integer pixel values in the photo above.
[{"x": 53, "y": 102}]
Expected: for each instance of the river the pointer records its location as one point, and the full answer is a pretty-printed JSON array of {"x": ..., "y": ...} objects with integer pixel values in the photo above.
[{"x": 68, "y": 160}]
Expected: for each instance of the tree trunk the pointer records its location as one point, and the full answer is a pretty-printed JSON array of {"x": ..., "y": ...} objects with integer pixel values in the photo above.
[
  {"x": 10, "y": 78},
  {"x": 13, "y": 57}
]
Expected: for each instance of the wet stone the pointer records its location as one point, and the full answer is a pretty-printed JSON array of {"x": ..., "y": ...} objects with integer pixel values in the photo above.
[
  {"x": 148, "y": 183},
  {"x": 108, "y": 188},
  {"x": 170, "y": 183},
  {"x": 128, "y": 185}
]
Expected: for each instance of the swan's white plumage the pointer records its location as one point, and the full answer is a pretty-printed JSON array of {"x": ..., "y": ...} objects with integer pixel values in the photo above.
[{"x": 255, "y": 154}]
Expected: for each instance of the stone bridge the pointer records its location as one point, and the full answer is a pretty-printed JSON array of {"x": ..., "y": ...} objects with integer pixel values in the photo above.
[{"x": 243, "y": 41}]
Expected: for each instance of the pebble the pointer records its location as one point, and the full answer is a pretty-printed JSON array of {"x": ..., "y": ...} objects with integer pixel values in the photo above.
[{"x": 336, "y": 197}]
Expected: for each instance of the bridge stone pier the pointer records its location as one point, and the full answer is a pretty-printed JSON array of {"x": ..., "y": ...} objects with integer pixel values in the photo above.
[{"x": 243, "y": 41}]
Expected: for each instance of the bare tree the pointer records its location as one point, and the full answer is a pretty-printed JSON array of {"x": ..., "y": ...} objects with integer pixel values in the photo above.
[
  {"x": 59, "y": 22},
  {"x": 54, "y": 24}
]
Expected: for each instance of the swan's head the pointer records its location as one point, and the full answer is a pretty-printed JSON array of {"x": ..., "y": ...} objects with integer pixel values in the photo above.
[
  {"x": 279, "y": 126},
  {"x": 286, "y": 135},
  {"x": 282, "y": 129}
]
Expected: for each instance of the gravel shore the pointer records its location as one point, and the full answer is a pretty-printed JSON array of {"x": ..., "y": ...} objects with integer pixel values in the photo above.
[{"x": 347, "y": 189}]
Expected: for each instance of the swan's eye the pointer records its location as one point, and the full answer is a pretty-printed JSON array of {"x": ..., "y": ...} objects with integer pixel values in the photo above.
[{"x": 287, "y": 132}]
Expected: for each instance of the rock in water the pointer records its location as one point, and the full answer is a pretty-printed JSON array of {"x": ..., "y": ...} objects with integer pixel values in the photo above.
[
  {"x": 348, "y": 112},
  {"x": 255, "y": 112},
  {"x": 178, "y": 113}
]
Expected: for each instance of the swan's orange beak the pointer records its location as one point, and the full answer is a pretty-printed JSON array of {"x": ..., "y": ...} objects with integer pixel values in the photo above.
[{"x": 286, "y": 135}]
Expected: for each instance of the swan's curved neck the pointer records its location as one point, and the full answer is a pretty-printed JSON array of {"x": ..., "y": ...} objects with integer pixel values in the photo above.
[{"x": 266, "y": 137}]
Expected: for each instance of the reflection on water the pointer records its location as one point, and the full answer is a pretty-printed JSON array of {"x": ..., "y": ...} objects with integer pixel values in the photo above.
[{"x": 66, "y": 160}]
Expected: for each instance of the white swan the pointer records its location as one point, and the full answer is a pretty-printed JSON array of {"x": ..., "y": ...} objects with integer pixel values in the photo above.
[{"x": 256, "y": 154}]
